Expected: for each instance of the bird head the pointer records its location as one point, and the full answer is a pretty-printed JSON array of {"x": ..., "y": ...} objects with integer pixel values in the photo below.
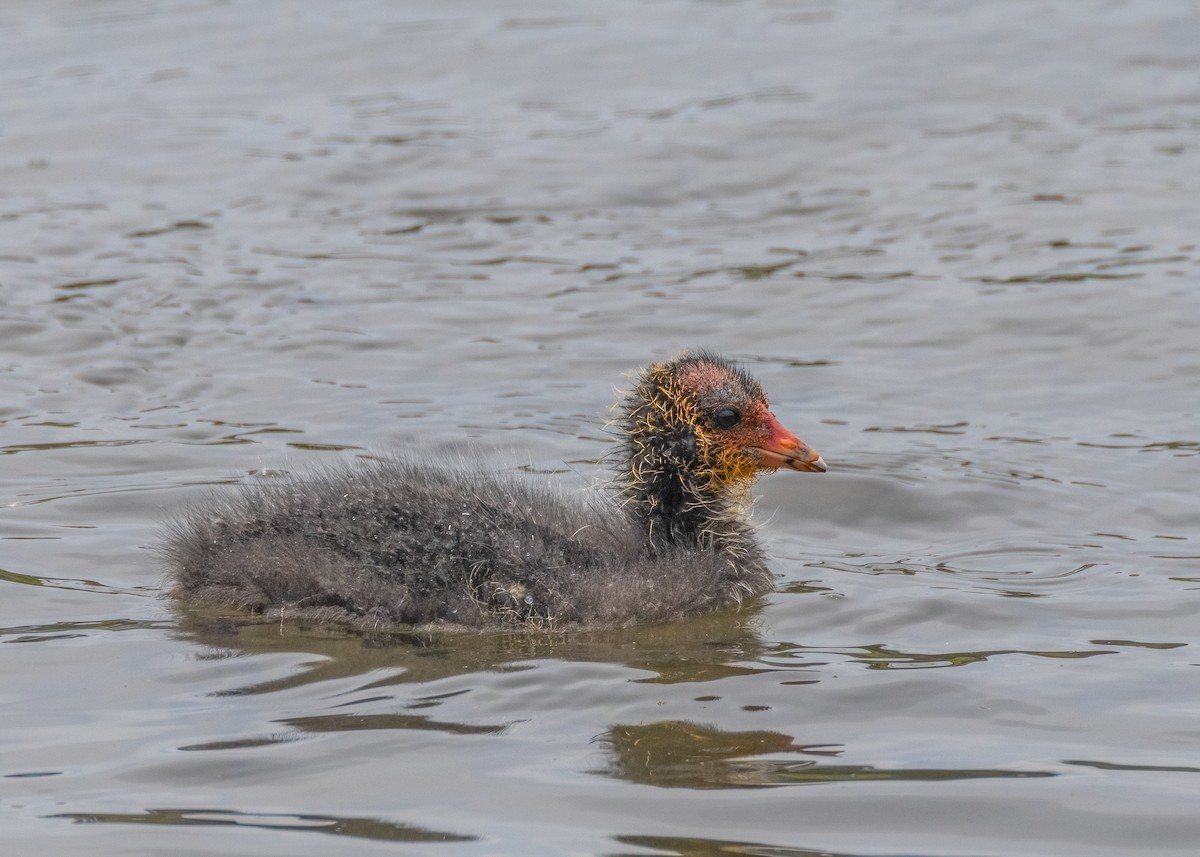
[{"x": 707, "y": 418}]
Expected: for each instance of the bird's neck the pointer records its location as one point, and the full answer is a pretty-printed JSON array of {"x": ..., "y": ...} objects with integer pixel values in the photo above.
[
  {"x": 669, "y": 488},
  {"x": 675, "y": 511},
  {"x": 669, "y": 493}
]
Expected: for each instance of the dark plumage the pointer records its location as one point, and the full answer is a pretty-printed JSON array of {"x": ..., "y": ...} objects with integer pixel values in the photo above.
[{"x": 403, "y": 543}]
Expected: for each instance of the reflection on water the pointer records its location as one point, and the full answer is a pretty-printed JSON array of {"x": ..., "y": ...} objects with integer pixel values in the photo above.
[
  {"x": 357, "y": 722},
  {"x": 68, "y": 630},
  {"x": 354, "y": 828},
  {"x": 243, "y": 743},
  {"x": 698, "y": 847},
  {"x": 700, "y": 649},
  {"x": 677, "y": 754},
  {"x": 881, "y": 657},
  {"x": 76, "y": 584}
]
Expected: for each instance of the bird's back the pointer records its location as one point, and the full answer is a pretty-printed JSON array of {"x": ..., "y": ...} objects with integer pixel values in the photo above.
[{"x": 397, "y": 542}]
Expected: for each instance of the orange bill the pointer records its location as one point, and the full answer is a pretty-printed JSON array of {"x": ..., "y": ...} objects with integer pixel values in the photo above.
[{"x": 781, "y": 448}]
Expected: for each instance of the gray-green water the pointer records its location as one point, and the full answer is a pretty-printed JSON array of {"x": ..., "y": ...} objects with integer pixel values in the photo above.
[{"x": 957, "y": 242}]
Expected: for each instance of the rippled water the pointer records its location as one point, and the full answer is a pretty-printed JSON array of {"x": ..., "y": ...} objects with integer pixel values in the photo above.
[{"x": 956, "y": 242}]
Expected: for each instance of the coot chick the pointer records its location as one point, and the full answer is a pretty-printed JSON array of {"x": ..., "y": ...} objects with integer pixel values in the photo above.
[{"x": 401, "y": 542}]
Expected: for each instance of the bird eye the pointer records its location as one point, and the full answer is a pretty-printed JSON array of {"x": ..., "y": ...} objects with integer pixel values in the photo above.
[{"x": 726, "y": 418}]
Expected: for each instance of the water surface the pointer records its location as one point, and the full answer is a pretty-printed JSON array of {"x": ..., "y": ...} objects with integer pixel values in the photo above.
[{"x": 956, "y": 242}]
